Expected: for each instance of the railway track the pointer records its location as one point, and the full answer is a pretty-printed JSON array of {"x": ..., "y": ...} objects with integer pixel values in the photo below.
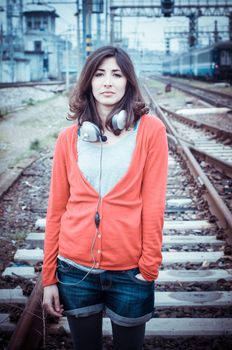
[
  {"x": 215, "y": 98},
  {"x": 31, "y": 83},
  {"x": 193, "y": 291},
  {"x": 212, "y": 141},
  {"x": 205, "y": 149}
]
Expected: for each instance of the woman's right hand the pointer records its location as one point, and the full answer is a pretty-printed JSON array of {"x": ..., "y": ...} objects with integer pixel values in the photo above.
[{"x": 51, "y": 300}]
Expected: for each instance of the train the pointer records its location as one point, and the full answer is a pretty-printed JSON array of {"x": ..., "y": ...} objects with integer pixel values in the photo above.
[{"x": 211, "y": 63}]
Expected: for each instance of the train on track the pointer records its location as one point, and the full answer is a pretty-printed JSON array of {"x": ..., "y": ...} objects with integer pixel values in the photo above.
[{"x": 211, "y": 63}]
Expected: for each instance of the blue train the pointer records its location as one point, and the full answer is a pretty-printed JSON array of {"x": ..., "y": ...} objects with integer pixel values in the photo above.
[{"x": 212, "y": 63}]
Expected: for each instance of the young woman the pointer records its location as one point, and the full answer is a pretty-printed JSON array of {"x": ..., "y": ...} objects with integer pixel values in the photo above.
[{"x": 106, "y": 207}]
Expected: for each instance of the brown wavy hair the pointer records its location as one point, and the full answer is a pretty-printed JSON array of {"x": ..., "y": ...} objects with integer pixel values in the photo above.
[{"x": 82, "y": 102}]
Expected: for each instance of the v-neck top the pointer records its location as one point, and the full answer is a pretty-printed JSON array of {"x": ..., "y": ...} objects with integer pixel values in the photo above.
[
  {"x": 104, "y": 165},
  {"x": 132, "y": 212}
]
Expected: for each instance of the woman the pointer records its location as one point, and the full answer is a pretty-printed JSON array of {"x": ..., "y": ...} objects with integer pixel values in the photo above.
[{"x": 106, "y": 207}]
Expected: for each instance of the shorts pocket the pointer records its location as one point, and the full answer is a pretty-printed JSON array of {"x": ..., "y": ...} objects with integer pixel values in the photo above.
[
  {"x": 132, "y": 274},
  {"x": 63, "y": 266}
]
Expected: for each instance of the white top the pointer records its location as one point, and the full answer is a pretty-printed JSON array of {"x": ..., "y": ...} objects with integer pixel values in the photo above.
[{"x": 116, "y": 159}]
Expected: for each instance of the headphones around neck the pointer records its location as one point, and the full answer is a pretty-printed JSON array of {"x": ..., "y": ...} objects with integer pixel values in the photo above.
[{"x": 91, "y": 133}]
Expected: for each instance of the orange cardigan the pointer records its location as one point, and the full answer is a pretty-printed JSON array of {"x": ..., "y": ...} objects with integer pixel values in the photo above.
[{"x": 132, "y": 213}]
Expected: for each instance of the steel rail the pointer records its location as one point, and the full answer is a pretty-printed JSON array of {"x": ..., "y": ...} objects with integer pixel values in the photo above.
[
  {"x": 213, "y": 92},
  {"x": 221, "y": 165},
  {"x": 219, "y": 132},
  {"x": 29, "y": 83},
  {"x": 191, "y": 90},
  {"x": 29, "y": 329},
  {"x": 216, "y": 204},
  {"x": 210, "y": 91}
]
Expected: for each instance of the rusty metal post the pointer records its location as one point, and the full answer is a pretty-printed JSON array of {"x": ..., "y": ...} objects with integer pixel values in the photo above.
[{"x": 29, "y": 330}]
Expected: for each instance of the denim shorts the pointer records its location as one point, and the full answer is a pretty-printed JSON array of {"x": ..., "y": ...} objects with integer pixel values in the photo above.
[{"x": 125, "y": 299}]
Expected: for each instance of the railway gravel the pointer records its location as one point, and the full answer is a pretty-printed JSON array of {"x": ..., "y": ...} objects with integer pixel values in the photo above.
[
  {"x": 210, "y": 96},
  {"x": 24, "y": 132},
  {"x": 17, "y": 98},
  {"x": 221, "y": 87},
  {"x": 26, "y": 202},
  {"x": 186, "y": 214},
  {"x": 176, "y": 100}
]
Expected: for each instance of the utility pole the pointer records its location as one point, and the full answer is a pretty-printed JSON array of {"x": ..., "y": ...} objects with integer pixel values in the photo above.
[
  {"x": 21, "y": 25},
  {"x": 107, "y": 4},
  {"x": 1, "y": 51},
  {"x": 215, "y": 32},
  {"x": 79, "y": 55},
  {"x": 9, "y": 16},
  {"x": 67, "y": 62},
  {"x": 230, "y": 26},
  {"x": 1, "y": 45},
  {"x": 87, "y": 26},
  {"x": 167, "y": 45},
  {"x": 112, "y": 34},
  {"x": 98, "y": 29},
  {"x": 193, "y": 24}
]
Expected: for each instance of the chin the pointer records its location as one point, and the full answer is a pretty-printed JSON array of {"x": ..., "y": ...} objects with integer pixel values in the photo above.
[{"x": 108, "y": 103}]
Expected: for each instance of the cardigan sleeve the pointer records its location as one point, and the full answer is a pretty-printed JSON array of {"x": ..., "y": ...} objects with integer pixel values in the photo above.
[
  {"x": 153, "y": 205},
  {"x": 58, "y": 198}
]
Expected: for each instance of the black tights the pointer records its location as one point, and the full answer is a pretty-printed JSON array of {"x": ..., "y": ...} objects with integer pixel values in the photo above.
[{"x": 87, "y": 334}]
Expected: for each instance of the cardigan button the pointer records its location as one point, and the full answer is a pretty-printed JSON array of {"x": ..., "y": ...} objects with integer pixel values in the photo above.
[{"x": 98, "y": 251}]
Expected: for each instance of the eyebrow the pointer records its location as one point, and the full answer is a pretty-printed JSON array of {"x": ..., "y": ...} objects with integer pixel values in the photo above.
[{"x": 113, "y": 70}]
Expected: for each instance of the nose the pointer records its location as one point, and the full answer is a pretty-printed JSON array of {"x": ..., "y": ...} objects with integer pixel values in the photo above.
[{"x": 107, "y": 81}]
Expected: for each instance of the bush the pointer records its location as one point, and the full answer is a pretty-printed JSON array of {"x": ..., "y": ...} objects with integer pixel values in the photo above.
[{"x": 35, "y": 145}]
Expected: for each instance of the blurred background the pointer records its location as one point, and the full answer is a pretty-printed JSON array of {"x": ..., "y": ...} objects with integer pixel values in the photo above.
[
  {"x": 49, "y": 39},
  {"x": 182, "y": 52},
  {"x": 44, "y": 44}
]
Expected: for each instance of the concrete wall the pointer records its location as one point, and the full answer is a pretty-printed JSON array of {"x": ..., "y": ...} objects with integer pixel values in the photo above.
[{"x": 21, "y": 71}]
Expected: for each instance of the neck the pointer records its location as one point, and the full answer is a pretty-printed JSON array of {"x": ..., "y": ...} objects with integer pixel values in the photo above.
[{"x": 103, "y": 112}]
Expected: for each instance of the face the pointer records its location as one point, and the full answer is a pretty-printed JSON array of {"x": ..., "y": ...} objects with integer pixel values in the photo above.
[{"x": 108, "y": 83}]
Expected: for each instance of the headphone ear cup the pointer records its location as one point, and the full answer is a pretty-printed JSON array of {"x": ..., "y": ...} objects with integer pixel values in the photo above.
[
  {"x": 90, "y": 132},
  {"x": 119, "y": 120}
]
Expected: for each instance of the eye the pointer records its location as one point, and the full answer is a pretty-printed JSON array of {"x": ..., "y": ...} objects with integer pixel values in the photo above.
[
  {"x": 98, "y": 74},
  {"x": 117, "y": 75}
]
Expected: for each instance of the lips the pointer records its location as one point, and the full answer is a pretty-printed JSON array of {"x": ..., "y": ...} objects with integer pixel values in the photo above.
[{"x": 107, "y": 93}]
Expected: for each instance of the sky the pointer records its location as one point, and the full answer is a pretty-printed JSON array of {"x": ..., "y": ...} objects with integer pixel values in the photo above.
[{"x": 143, "y": 33}]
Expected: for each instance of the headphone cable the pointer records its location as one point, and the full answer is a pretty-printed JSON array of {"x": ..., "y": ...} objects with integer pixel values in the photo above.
[{"x": 97, "y": 223}]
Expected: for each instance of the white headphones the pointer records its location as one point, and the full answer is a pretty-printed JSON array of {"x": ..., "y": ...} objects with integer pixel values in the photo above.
[{"x": 91, "y": 133}]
